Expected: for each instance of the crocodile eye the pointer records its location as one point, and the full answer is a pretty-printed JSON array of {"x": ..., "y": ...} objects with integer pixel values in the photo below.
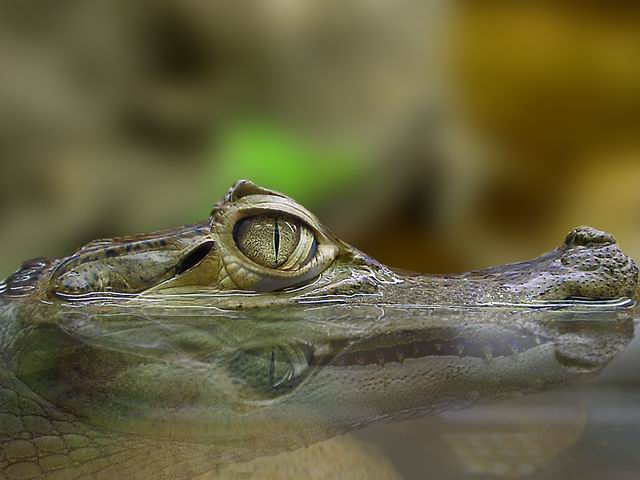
[{"x": 275, "y": 241}]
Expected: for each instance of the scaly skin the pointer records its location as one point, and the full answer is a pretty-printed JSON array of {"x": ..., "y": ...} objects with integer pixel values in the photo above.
[{"x": 146, "y": 357}]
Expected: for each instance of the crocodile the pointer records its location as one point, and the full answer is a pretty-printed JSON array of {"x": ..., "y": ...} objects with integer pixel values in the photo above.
[{"x": 170, "y": 354}]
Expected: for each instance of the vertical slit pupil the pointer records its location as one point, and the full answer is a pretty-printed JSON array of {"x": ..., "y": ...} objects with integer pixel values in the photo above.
[{"x": 276, "y": 236}]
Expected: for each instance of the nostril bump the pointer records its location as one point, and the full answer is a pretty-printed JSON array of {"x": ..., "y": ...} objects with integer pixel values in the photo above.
[{"x": 589, "y": 236}]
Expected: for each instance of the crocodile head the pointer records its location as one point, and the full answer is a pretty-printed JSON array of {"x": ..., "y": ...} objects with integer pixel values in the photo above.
[{"x": 261, "y": 248}]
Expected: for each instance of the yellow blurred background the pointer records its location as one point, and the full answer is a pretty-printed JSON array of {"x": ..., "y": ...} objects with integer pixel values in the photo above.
[{"x": 434, "y": 135}]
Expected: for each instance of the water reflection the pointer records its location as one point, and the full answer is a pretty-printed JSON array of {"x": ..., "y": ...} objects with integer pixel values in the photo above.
[{"x": 179, "y": 393}]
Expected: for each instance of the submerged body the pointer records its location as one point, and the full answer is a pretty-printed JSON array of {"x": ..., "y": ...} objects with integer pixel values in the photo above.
[{"x": 170, "y": 354}]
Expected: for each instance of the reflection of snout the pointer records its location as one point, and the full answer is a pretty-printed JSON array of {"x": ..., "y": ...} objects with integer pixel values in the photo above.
[
  {"x": 578, "y": 363},
  {"x": 588, "y": 347}
]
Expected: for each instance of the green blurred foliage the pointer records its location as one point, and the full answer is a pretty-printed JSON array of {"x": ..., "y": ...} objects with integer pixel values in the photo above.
[{"x": 277, "y": 158}]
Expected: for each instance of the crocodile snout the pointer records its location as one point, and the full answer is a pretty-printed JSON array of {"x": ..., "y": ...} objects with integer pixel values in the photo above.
[
  {"x": 588, "y": 265},
  {"x": 593, "y": 266}
]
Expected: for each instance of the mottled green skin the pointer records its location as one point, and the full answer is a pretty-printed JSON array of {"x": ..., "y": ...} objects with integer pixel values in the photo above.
[{"x": 155, "y": 371}]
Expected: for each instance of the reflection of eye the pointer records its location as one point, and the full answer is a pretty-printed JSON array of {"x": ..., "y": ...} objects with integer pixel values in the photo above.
[
  {"x": 272, "y": 371},
  {"x": 275, "y": 241}
]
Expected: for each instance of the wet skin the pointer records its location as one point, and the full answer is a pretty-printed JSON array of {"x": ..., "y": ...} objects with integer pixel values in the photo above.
[{"x": 156, "y": 356}]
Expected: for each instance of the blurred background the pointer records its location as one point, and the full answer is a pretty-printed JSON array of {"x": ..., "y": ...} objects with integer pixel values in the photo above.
[{"x": 434, "y": 135}]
